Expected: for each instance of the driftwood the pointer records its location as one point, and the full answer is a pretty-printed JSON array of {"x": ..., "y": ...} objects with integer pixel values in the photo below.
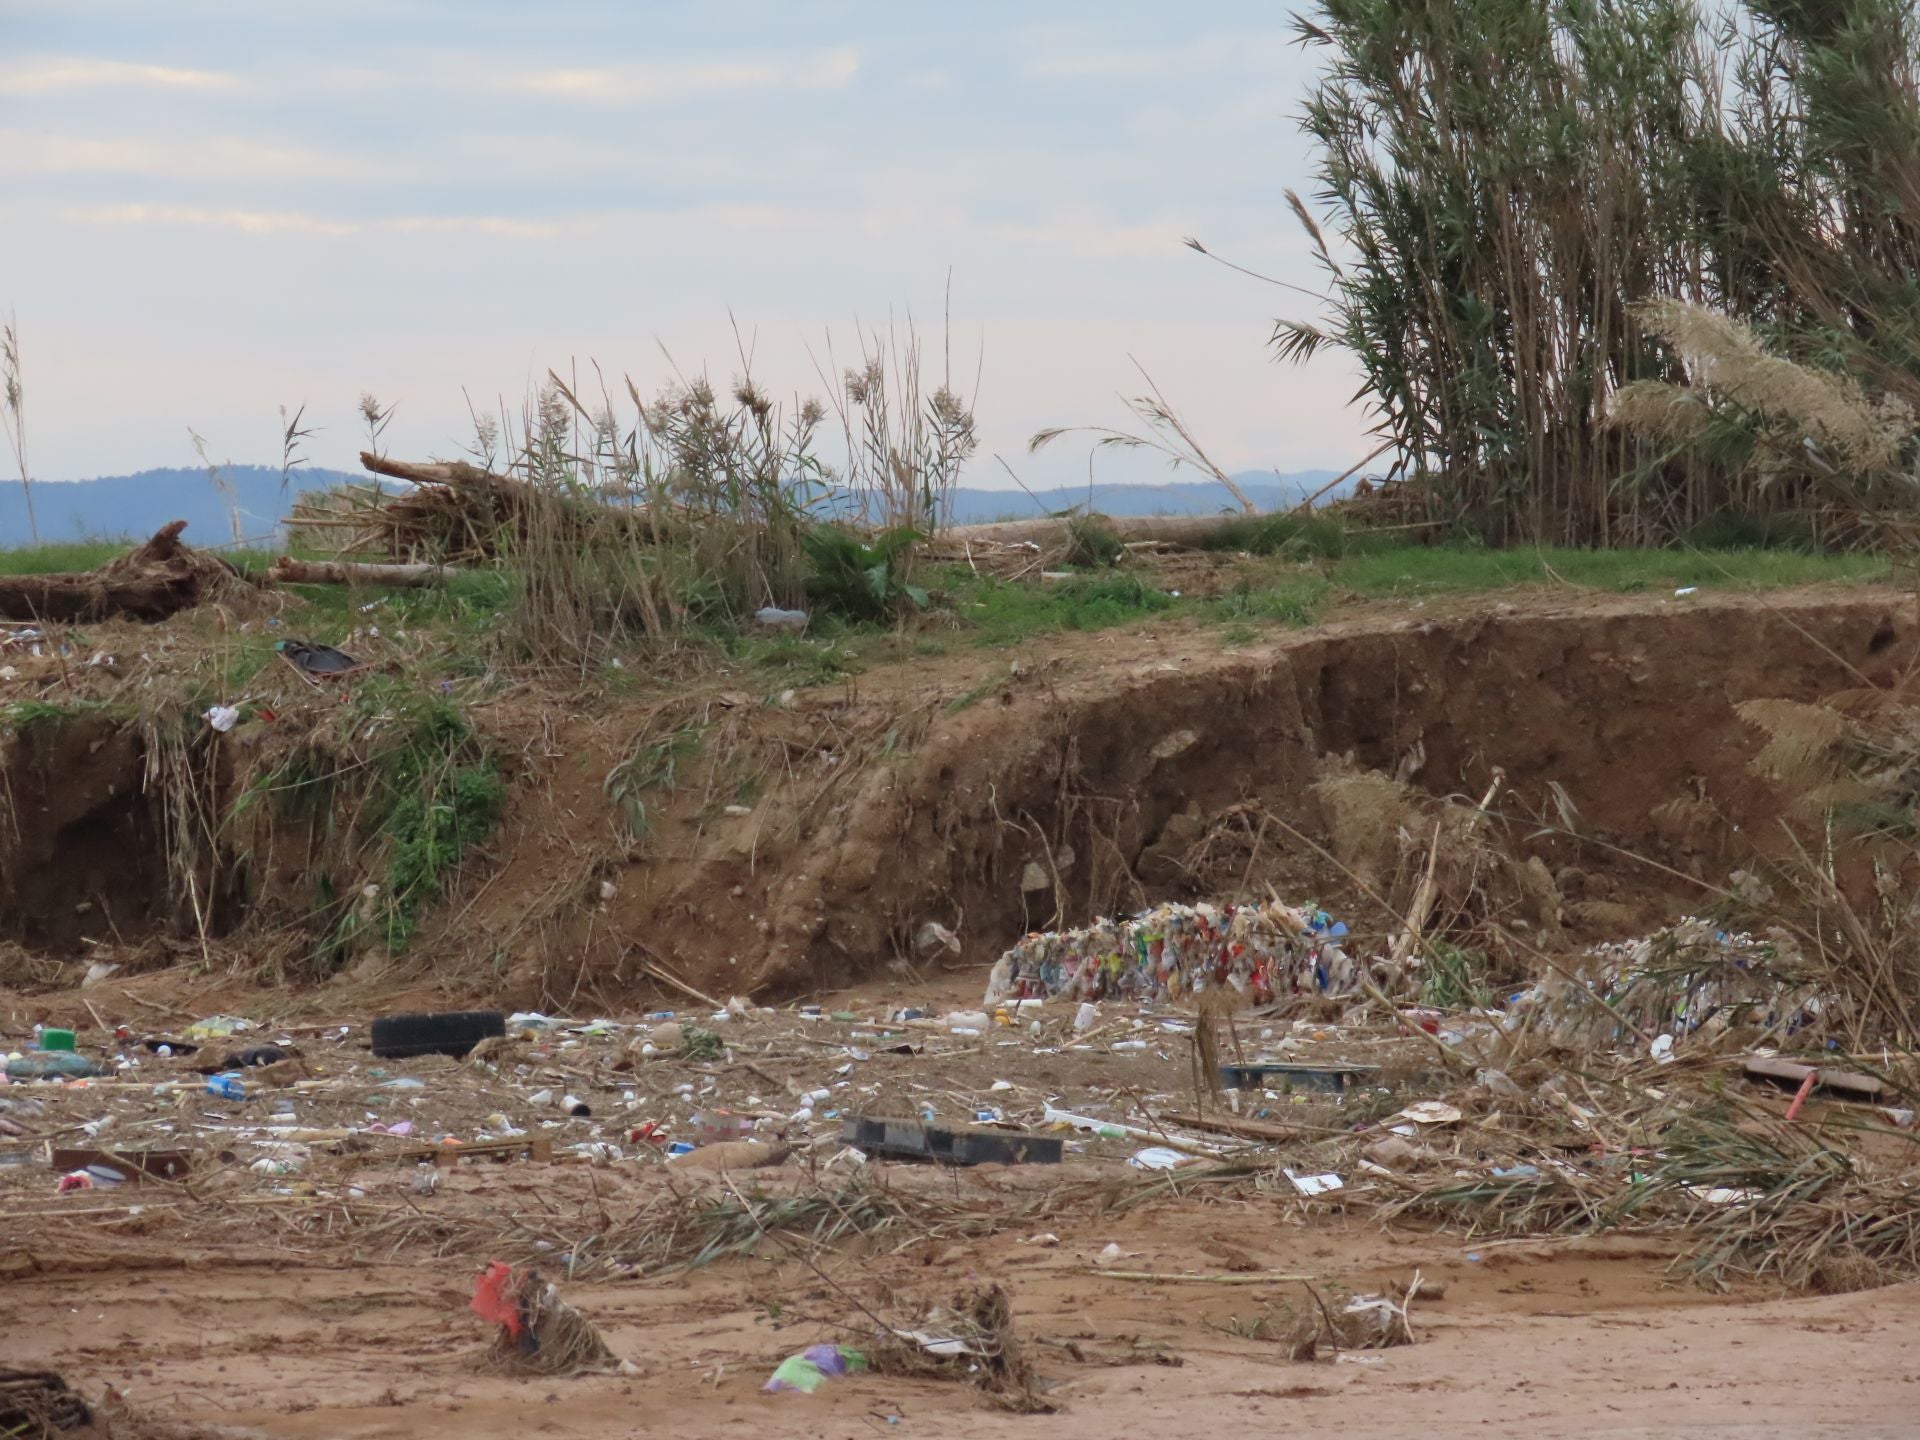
[
  {"x": 161, "y": 578},
  {"x": 449, "y": 512},
  {"x": 289, "y": 571},
  {"x": 1053, "y": 531}
]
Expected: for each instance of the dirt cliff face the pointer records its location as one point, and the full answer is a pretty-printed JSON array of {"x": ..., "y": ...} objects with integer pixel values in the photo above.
[
  {"x": 806, "y": 839},
  {"x": 1115, "y": 770}
]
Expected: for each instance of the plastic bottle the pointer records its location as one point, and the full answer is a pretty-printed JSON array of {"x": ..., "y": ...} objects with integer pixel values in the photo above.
[{"x": 228, "y": 1087}]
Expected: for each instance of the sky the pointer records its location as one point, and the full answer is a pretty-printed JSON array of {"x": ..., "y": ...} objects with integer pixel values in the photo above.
[{"x": 211, "y": 210}]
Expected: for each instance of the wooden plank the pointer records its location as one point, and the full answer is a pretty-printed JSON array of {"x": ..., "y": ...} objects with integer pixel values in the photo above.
[
  {"x": 132, "y": 1164},
  {"x": 1231, "y": 1125},
  {"x": 534, "y": 1147},
  {"x": 1793, "y": 1072}
]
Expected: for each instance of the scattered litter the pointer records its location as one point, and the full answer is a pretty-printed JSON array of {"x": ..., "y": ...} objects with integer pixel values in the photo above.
[
  {"x": 1315, "y": 1184},
  {"x": 51, "y": 1065},
  {"x": 455, "y": 1033},
  {"x": 806, "y": 1372},
  {"x": 1158, "y": 1157},
  {"x": 217, "y": 1027},
  {"x": 1430, "y": 1112},
  {"x": 920, "y": 1140},
  {"x": 316, "y": 661},
  {"x": 1791, "y": 1072},
  {"x": 1288, "y": 1078},
  {"x": 771, "y": 617},
  {"x": 127, "y": 1164}
]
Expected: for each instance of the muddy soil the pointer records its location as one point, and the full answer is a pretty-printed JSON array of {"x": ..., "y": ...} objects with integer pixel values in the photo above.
[
  {"x": 334, "y": 1302},
  {"x": 1574, "y": 1344}
]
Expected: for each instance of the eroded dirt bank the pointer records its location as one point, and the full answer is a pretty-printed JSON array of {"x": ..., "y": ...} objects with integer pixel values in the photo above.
[
  {"x": 1106, "y": 760},
  {"x": 774, "y": 843}
]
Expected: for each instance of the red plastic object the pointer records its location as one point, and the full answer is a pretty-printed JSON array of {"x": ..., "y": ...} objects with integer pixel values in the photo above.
[
  {"x": 493, "y": 1297},
  {"x": 1800, "y": 1096}
]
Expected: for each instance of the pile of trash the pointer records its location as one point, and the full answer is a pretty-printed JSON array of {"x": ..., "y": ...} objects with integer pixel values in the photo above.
[
  {"x": 1691, "y": 978},
  {"x": 1171, "y": 951}
]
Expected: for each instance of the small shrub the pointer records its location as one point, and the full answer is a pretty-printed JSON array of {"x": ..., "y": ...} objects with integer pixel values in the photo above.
[
  {"x": 862, "y": 579},
  {"x": 1091, "y": 543}
]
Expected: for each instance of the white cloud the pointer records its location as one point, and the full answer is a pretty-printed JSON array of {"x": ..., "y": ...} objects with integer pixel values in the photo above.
[
  {"x": 293, "y": 222},
  {"x": 1093, "y": 240},
  {"x": 1260, "y": 52},
  {"x": 502, "y": 225},
  {"x": 51, "y": 75},
  {"x": 25, "y": 152},
  {"x": 658, "y": 84},
  {"x": 249, "y": 222}
]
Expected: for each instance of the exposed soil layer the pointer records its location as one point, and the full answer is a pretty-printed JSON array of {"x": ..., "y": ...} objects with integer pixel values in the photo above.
[
  {"x": 928, "y": 793},
  {"x": 800, "y": 841},
  {"x": 88, "y": 850}
]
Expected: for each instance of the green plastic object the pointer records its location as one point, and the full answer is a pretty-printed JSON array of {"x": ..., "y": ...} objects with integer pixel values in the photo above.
[
  {"x": 51, "y": 1065},
  {"x": 56, "y": 1039}
]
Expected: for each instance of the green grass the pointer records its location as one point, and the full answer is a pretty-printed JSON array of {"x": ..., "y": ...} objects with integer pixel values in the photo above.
[
  {"x": 1303, "y": 566},
  {"x": 77, "y": 555},
  {"x": 1301, "y": 571},
  {"x": 1438, "y": 570},
  {"x": 654, "y": 765},
  {"x": 995, "y": 612}
]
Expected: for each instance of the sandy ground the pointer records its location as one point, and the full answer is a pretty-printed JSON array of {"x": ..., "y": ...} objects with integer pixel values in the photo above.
[
  {"x": 1573, "y": 1345},
  {"x": 232, "y": 1321}
]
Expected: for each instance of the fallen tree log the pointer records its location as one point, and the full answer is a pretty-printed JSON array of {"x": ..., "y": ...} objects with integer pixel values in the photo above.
[
  {"x": 160, "y": 578},
  {"x": 1053, "y": 530},
  {"x": 289, "y": 571}
]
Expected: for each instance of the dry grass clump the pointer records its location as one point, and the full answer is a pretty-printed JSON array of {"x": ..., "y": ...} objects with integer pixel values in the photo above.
[
  {"x": 1359, "y": 1322},
  {"x": 644, "y": 518},
  {"x": 970, "y": 1340},
  {"x": 1796, "y": 410},
  {"x": 546, "y": 1336}
]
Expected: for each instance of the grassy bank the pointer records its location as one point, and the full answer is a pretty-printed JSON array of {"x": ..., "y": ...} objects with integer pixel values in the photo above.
[{"x": 1307, "y": 573}]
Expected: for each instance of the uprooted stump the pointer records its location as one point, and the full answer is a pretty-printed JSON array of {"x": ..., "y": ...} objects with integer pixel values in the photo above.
[
  {"x": 38, "y": 1404},
  {"x": 1362, "y": 1322},
  {"x": 972, "y": 1341},
  {"x": 539, "y": 1332},
  {"x": 161, "y": 578}
]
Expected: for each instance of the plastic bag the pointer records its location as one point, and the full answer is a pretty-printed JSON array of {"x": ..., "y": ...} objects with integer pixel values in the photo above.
[
  {"x": 803, "y": 1373},
  {"x": 493, "y": 1297}
]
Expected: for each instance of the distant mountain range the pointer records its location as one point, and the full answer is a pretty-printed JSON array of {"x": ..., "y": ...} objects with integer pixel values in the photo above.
[
  {"x": 124, "y": 507},
  {"x": 134, "y": 506}
]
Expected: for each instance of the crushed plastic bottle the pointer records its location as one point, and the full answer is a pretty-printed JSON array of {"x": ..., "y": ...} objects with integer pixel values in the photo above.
[{"x": 794, "y": 622}]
